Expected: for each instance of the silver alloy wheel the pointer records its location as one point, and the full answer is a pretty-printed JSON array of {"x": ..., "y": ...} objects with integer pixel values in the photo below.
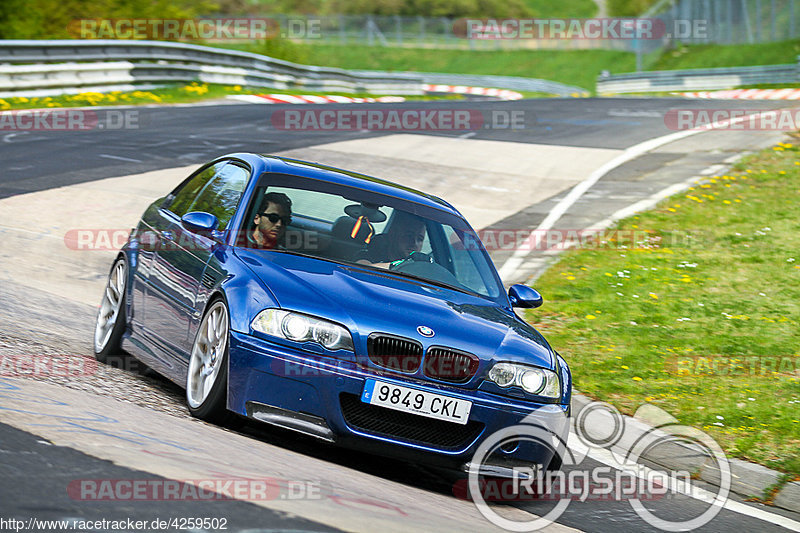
[
  {"x": 207, "y": 354},
  {"x": 111, "y": 305}
]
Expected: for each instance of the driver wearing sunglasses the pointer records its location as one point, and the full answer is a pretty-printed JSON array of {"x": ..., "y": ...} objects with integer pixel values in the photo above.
[{"x": 271, "y": 221}]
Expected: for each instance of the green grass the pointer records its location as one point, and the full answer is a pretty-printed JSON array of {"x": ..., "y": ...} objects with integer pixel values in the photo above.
[
  {"x": 629, "y": 320},
  {"x": 573, "y": 67},
  {"x": 194, "y": 92},
  {"x": 567, "y": 9},
  {"x": 740, "y": 55}
]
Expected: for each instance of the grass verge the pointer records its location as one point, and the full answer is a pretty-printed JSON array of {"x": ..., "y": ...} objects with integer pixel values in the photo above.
[
  {"x": 702, "y": 316},
  {"x": 715, "y": 55},
  {"x": 572, "y": 67}
]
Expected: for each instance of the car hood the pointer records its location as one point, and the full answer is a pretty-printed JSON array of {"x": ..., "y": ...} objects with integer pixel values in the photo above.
[{"x": 367, "y": 301}]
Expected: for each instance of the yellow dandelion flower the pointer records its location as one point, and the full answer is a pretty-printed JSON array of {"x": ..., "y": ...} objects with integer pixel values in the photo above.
[
  {"x": 590, "y": 317},
  {"x": 636, "y": 378}
]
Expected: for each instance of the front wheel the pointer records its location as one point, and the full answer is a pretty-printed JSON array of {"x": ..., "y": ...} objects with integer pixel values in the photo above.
[
  {"x": 206, "y": 382},
  {"x": 110, "y": 323}
]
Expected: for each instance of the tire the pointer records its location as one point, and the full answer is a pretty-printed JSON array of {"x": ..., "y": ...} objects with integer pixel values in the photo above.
[
  {"x": 556, "y": 463},
  {"x": 110, "y": 323},
  {"x": 207, "y": 378}
]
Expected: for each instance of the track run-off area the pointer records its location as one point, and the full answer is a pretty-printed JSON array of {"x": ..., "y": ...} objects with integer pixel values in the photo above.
[{"x": 566, "y": 164}]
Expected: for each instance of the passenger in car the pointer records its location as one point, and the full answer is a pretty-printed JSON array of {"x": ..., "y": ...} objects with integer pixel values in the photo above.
[
  {"x": 270, "y": 221},
  {"x": 404, "y": 237}
]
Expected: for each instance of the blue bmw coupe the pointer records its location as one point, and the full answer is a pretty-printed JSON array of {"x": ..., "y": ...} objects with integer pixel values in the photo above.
[{"x": 338, "y": 305}]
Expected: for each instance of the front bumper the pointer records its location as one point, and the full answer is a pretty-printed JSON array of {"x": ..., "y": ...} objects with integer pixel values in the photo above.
[{"x": 320, "y": 396}]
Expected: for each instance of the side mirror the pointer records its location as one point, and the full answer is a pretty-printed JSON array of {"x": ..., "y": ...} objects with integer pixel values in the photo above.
[
  {"x": 199, "y": 221},
  {"x": 524, "y": 296}
]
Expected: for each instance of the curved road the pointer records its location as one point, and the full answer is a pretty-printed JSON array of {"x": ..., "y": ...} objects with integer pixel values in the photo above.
[{"x": 119, "y": 424}]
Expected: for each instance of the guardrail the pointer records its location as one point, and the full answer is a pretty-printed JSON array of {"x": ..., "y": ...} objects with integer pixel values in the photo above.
[
  {"x": 95, "y": 64},
  {"x": 697, "y": 79},
  {"x": 506, "y": 82},
  {"x": 41, "y": 68}
]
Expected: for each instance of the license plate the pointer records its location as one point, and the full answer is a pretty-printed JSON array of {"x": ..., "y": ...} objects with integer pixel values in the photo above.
[{"x": 416, "y": 401}]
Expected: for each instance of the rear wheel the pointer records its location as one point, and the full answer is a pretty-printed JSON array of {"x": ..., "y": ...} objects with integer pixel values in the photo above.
[
  {"x": 206, "y": 382},
  {"x": 110, "y": 323}
]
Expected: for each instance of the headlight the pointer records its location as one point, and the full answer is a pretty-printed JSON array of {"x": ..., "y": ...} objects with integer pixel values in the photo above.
[
  {"x": 534, "y": 380},
  {"x": 302, "y": 328}
]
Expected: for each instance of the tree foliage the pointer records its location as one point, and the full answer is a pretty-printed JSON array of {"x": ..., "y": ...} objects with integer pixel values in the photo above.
[
  {"x": 53, "y": 19},
  {"x": 432, "y": 8}
]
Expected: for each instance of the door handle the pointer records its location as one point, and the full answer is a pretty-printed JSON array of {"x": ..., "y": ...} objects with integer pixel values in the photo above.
[{"x": 167, "y": 235}]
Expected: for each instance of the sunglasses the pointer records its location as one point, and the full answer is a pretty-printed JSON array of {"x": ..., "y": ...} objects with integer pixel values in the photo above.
[{"x": 275, "y": 217}]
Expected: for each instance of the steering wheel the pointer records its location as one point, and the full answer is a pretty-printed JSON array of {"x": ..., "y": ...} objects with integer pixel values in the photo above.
[
  {"x": 411, "y": 258},
  {"x": 421, "y": 265}
]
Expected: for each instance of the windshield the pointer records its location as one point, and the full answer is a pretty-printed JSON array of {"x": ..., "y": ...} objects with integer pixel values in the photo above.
[{"x": 356, "y": 226}]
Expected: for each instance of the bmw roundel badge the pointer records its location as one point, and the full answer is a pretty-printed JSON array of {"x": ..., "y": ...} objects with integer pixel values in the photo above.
[{"x": 425, "y": 331}]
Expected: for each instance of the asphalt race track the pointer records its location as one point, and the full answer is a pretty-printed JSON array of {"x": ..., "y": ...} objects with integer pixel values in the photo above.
[{"x": 115, "y": 424}]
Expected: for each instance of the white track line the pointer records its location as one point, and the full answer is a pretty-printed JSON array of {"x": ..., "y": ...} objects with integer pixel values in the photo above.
[
  {"x": 605, "y": 456},
  {"x": 531, "y": 243},
  {"x": 119, "y": 158}
]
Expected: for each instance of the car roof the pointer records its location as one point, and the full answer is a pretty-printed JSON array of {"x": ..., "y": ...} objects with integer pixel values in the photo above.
[{"x": 308, "y": 169}]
